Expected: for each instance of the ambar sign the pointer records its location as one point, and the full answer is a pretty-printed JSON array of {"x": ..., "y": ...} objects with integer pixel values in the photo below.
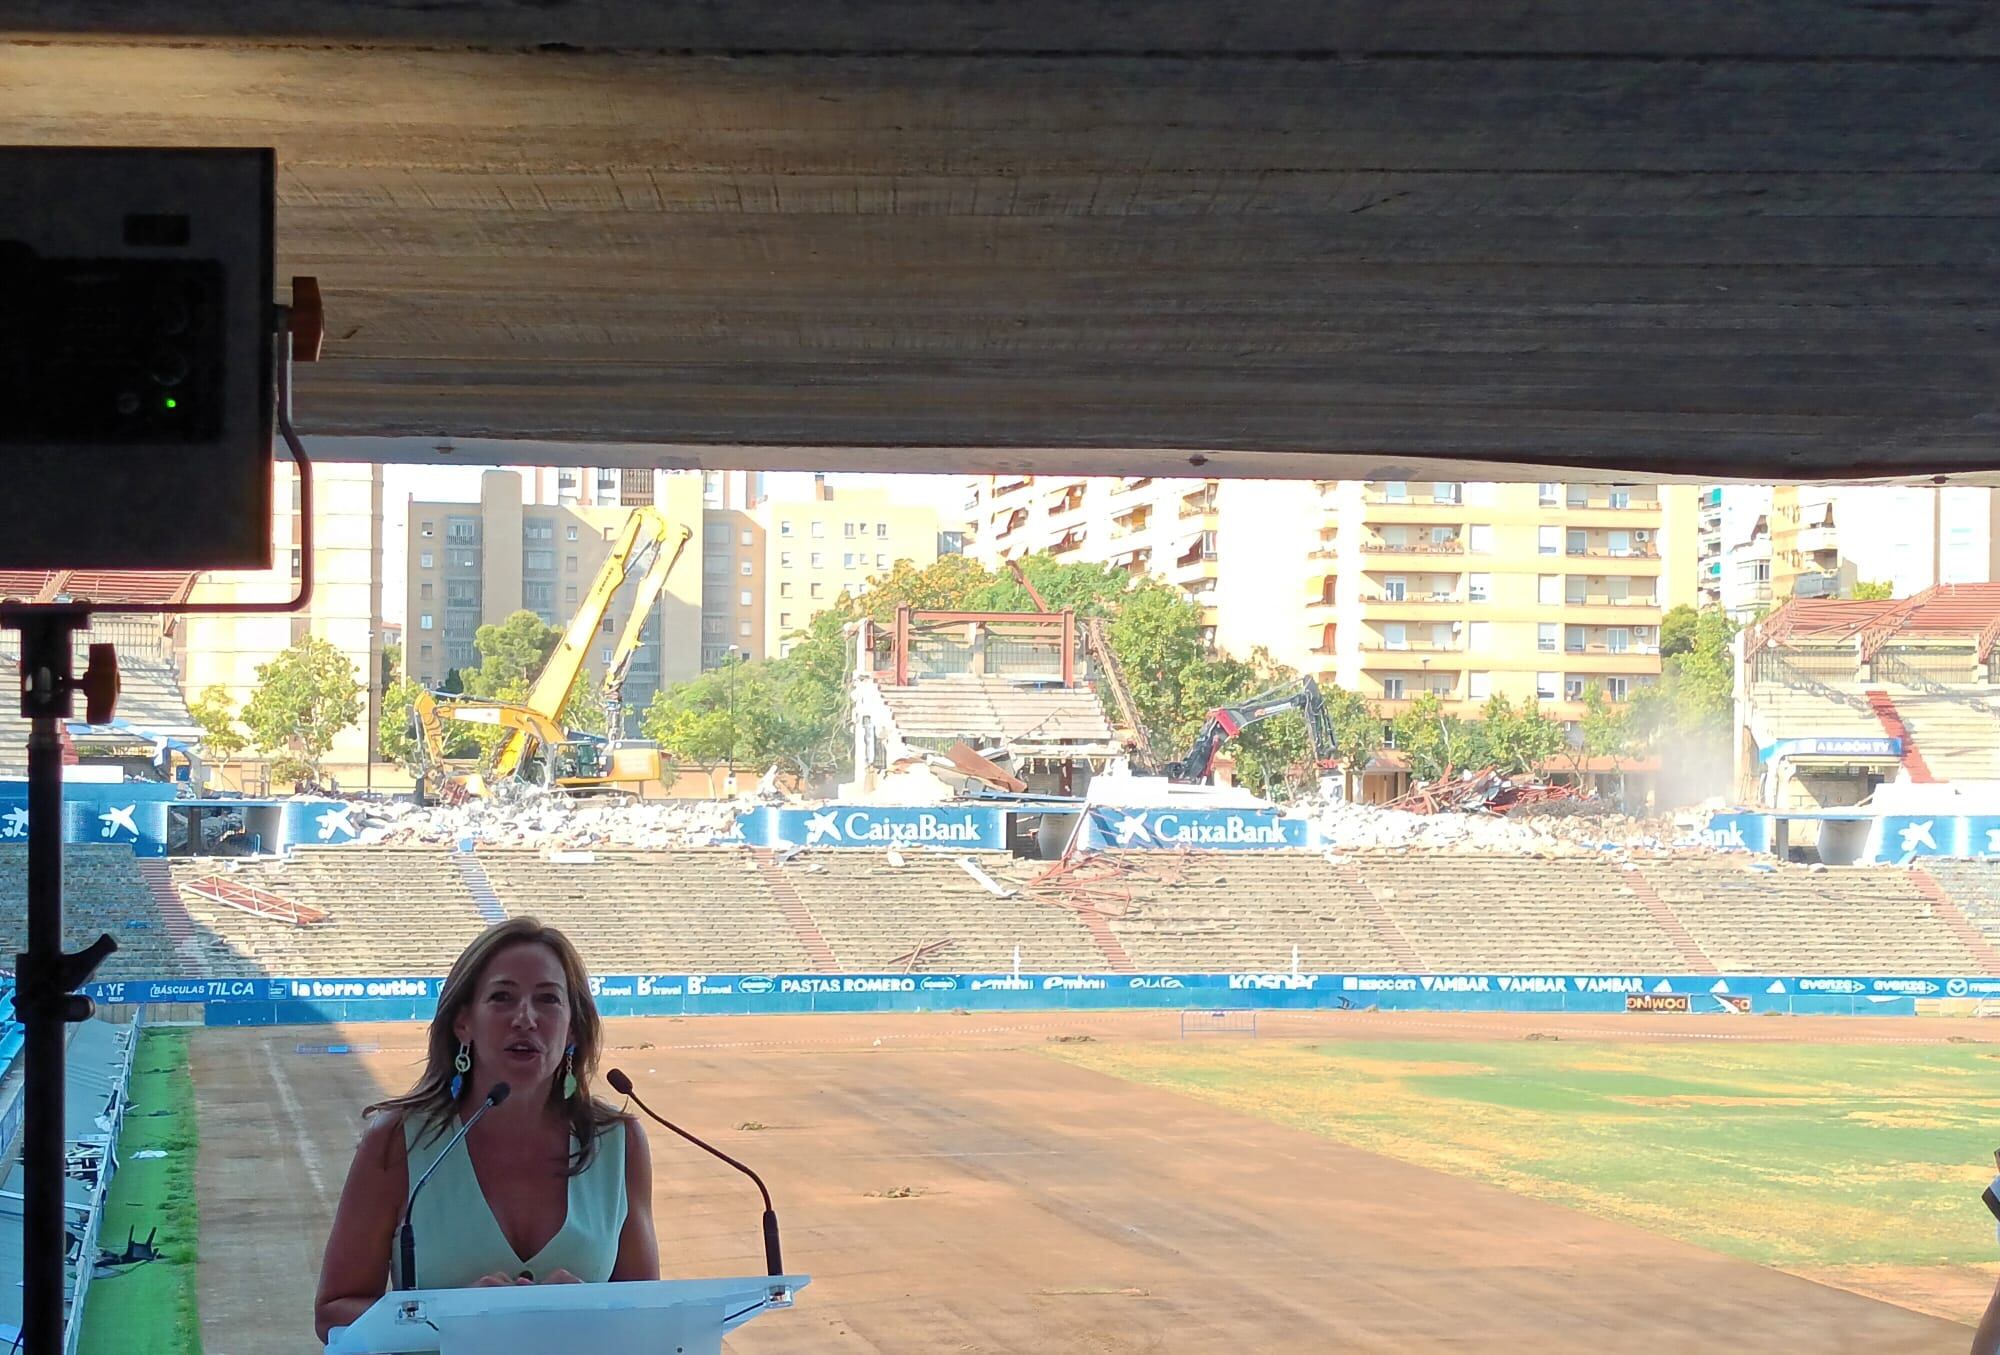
[{"x": 1656, "y": 1002}]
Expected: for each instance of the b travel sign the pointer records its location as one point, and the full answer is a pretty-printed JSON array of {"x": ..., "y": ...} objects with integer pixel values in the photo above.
[
  {"x": 1174, "y": 829},
  {"x": 949, "y": 827}
]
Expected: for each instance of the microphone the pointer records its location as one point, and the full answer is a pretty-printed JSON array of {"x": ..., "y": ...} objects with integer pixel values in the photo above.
[
  {"x": 406, "y": 1234},
  {"x": 773, "y": 1261}
]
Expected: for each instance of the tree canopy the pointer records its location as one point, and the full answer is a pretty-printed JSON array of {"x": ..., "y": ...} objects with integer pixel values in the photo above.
[{"x": 305, "y": 697}]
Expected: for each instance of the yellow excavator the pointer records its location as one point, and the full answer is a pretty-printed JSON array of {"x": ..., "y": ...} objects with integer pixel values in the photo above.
[{"x": 647, "y": 547}]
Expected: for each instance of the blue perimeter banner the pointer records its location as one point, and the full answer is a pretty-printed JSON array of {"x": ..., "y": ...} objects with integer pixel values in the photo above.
[
  {"x": 1171, "y": 829},
  {"x": 279, "y": 1001},
  {"x": 966, "y": 828}
]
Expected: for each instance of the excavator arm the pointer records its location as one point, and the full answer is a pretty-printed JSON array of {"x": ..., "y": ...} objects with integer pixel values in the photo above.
[{"x": 1225, "y": 722}]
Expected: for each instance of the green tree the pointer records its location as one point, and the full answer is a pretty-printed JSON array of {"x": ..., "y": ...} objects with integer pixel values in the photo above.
[
  {"x": 728, "y": 716},
  {"x": 945, "y": 585},
  {"x": 305, "y": 697},
  {"x": 220, "y": 738},
  {"x": 1433, "y": 743},
  {"x": 1517, "y": 739},
  {"x": 1677, "y": 630},
  {"x": 1357, "y": 730},
  {"x": 511, "y": 656},
  {"x": 1874, "y": 590},
  {"x": 395, "y": 731},
  {"x": 1083, "y": 588}
]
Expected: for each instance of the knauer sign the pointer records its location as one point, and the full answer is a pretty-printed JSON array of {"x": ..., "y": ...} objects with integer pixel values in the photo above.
[
  {"x": 1218, "y": 829},
  {"x": 981, "y": 829}
]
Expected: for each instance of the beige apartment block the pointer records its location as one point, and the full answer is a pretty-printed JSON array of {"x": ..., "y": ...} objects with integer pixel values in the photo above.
[
  {"x": 1824, "y": 540},
  {"x": 817, "y": 548},
  {"x": 1164, "y": 527},
  {"x": 734, "y": 574},
  {"x": 1466, "y": 589},
  {"x": 472, "y": 564},
  {"x": 346, "y": 606}
]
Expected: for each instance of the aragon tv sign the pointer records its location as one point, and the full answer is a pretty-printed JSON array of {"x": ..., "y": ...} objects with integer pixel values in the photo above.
[{"x": 1213, "y": 829}]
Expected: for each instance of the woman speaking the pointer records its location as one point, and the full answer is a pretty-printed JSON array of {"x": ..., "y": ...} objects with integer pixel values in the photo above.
[{"x": 552, "y": 1186}]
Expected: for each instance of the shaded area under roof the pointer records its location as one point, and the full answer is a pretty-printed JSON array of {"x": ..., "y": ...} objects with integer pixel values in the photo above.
[{"x": 985, "y": 711}]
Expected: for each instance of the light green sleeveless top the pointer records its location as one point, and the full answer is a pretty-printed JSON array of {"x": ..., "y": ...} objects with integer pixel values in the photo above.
[{"x": 459, "y": 1240}]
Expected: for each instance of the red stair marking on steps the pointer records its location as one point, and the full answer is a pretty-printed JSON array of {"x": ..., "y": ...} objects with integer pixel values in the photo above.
[
  {"x": 1378, "y": 917},
  {"x": 1946, "y": 910},
  {"x": 1892, "y": 725},
  {"x": 796, "y": 913},
  {"x": 1691, "y": 953},
  {"x": 175, "y": 919},
  {"x": 1108, "y": 945}
]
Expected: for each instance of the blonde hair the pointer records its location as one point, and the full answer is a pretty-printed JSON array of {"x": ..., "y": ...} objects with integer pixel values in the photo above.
[{"x": 430, "y": 1101}]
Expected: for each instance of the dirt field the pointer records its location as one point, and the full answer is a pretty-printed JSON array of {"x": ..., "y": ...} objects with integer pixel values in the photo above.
[{"x": 950, "y": 1188}]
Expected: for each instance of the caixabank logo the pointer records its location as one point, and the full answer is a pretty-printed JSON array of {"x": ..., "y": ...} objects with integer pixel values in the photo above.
[{"x": 1214, "y": 828}]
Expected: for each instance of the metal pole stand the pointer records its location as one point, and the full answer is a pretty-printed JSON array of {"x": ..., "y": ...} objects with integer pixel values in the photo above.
[{"x": 45, "y": 978}]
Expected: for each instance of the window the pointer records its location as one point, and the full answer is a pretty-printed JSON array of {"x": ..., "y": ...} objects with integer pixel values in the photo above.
[
  {"x": 1545, "y": 637},
  {"x": 605, "y": 626},
  {"x": 1617, "y": 639},
  {"x": 1549, "y": 590},
  {"x": 818, "y": 560},
  {"x": 847, "y": 530},
  {"x": 538, "y": 559},
  {"x": 1618, "y": 688},
  {"x": 1395, "y": 588},
  {"x": 713, "y": 625},
  {"x": 785, "y": 650},
  {"x": 427, "y": 622},
  {"x": 426, "y": 560},
  {"x": 785, "y": 527},
  {"x": 1579, "y": 496},
  {"x": 1573, "y": 638},
  {"x": 784, "y": 618},
  {"x": 1479, "y": 686},
  {"x": 538, "y": 529},
  {"x": 785, "y": 589},
  {"x": 461, "y": 529},
  {"x": 745, "y": 597},
  {"x": 819, "y": 528},
  {"x": 881, "y": 531},
  {"x": 1441, "y": 635},
  {"x": 1761, "y": 571},
  {"x": 1481, "y": 538},
  {"x": 1577, "y": 542},
  {"x": 1444, "y": 491},
  {"x": 569, "y": 595},
  {"x": 1621, "y": 543},
  {"x": 1479, "y": 588},
  {"x": 743, "y": 628},
  {"x": 1548, "y": 493},
  {"x": 538, "y": 595},
  {"x": 1576, "y": 590},
  {"x": 1440, "y": 536},
  {"x": 881, "y": 560},
  {"x": 461, "y": 593},
  {"x": 847, "y": 560},
  {"x": 715, "y": 534},
  {"x": 1395, "y": 635},
  {"x": 1395, "y": 491},
  {"x": 466, "y": 560},
  {"x": 1548, "y": 540},
  {"x": 745, "y": 569},
  {"x": 1444, "y": 684},
  {"x": 569, "y": 564},
  {"x": 816, "y": 591},
  {"x": 1545, "y": 686},
  {"x": 425, "y": 651},
  {"x": 715, "y": 566},
  {"x": 746, "y": 540},
  {"x": 1392, "y": 689},
  {"x": 1573, "y": 688},
  {"x": 1479, "y": 636},
  {"x": 604, "y": 655},
  {"x": 1618, "y": 590},
  {"x": 428, "y": 529},
  {"x": 1620, "y": 497},
  {"x": 1481, "y": 493},
  {"x": 569, "y": 533},
  {"x": 426, "y": 593}
]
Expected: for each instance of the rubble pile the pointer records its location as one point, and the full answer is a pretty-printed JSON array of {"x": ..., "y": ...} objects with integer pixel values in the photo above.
[
  {"x": 1345, "y": 826},
  {"x": 551, "y": 821}
]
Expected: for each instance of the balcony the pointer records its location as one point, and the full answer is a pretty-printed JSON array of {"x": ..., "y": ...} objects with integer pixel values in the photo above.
[
  {"x": 1817, "y": 538},
  {"x": 1422, "y": 546},
  {"x": 1816, "y": 585},
  {"x": 1131, "y": 523},
  {"x": 1439, "y": 493},
  {"x": 1632, "y": 605},
  {"x": 1412, "y": 598},
  {"x": 1131, "y": 483},
  {"x": 1612, "y": 502}
]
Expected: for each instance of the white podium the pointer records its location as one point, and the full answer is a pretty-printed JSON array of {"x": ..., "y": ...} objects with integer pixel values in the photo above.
[{"x": 687, "y": 1316}]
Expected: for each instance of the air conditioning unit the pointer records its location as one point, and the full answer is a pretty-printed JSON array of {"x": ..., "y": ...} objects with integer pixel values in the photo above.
[{"x": 1642, "y": 536}]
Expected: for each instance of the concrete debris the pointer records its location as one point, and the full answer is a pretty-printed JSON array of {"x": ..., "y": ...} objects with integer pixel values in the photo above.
[
  {"x": 1347, "y": 827},
  {"x": 991, "y": 885},
  {"x": 551, "y": 821}
]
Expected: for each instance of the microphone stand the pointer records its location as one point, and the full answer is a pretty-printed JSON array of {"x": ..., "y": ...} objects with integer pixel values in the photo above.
[
  {"x": 773, "y": 1260},
  {"x": 406, "y": 1270}
]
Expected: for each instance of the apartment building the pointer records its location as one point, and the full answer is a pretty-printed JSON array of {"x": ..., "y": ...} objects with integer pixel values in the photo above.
[
  {"x": 1466, "y": 589},
  {"x": 1733, "y": 549},
  {"x": 813, "y": 550},
  {"x": 1166, "y": 527},
  {"x": 225, "y": 650},
  {"x": 471, "y": 564},
  {"x": 1825, "y": 540}
]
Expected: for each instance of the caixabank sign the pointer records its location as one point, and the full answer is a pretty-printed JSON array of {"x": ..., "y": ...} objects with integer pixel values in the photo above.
[
  {"x": 961, "y": 828},
  {"x": 1201, "y": 829}
]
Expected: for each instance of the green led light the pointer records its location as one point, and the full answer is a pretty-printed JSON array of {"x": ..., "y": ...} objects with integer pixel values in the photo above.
[{"x": 173, "y": 403}]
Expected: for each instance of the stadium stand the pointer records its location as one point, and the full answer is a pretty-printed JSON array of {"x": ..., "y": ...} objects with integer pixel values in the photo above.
[
  {"x": 1482, "y": 914},
  {"x": 392, "y": 911},
  {"x": 702, "y": 909},
  {"x": 1796, "y": 920},
  {"x": 102, "y": 892},
  {"x": 1975, "y": 887},
  {"x": 931, "y": 913},
  {"x": 1245, "y": 911}
]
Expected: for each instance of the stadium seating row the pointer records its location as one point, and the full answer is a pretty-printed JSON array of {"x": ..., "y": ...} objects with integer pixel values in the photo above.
[{"x": 721, "y": 910}]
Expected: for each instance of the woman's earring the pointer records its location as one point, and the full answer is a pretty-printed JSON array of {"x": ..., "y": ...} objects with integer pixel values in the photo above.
[
  {"x": 463, "y": 1065},
  {"x": 569, "y": 1073}
]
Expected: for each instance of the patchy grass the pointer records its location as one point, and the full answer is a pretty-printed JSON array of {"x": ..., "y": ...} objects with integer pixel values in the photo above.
[
  {"x": 150, "y": 1309},
  {"x": 1800, "y": 1156}
]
